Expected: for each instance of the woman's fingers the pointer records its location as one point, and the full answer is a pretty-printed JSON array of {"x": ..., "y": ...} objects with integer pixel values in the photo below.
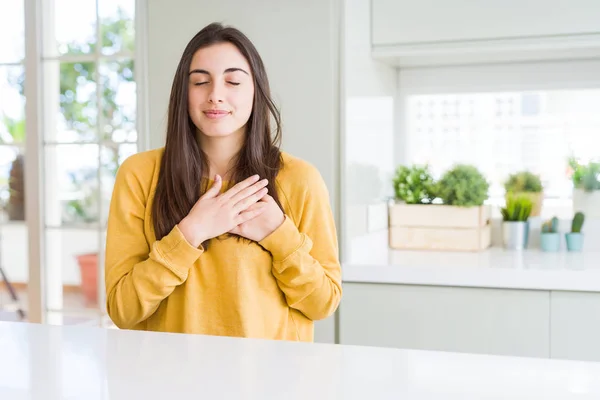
[
  {"x": 229, "y": 194},
  {"x": 215, "y": 188}
]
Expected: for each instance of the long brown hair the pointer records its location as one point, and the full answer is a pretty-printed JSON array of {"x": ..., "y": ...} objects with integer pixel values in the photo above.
[{"x": 184, "y": 164}]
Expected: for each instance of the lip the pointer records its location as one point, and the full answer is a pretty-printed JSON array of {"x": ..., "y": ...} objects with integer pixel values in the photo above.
[{"x": 215, "y": 114}]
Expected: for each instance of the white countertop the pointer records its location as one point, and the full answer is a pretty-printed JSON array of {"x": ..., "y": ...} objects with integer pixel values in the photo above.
[
  {"x": 371, "y": 261},
  {"x": 67, "y": 362}
]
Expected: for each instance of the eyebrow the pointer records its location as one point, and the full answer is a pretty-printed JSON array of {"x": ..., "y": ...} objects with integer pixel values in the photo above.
[{"x": 203, "y": 71}]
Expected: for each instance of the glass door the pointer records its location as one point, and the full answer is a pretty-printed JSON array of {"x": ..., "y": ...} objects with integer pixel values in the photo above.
[
  {"x": 89, "y": 128},
  {"x": 14, "y": 273}
]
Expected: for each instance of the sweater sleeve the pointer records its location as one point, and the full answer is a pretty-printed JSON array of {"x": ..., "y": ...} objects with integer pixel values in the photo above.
[
  {"x": 138, "y": 276},
  {"x": 305, "y": 254}
]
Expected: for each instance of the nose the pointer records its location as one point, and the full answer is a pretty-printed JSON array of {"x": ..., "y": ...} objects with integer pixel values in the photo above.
[{"x": 217, "y": 93}]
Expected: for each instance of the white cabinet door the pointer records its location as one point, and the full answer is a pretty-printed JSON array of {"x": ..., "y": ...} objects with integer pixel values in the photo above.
[
  {"x": 425, "y": 21},
  {"x": 325, "y": 330},
  {"x": 488, "y": 321},
  {"x": 575, "y": 330}
]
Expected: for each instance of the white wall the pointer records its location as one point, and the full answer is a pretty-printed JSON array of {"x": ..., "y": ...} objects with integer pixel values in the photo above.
[
  {"x": 299, "y": 43},
  {"x": 368, "y": 156}
]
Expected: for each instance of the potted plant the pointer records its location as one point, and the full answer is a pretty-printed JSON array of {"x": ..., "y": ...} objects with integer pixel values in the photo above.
[
  {"x": 586, "y": 187},
  {"x": 15, "y": 206},
  {"x": 463, "y": 186},
  {"x": 575, "y": 237},
  {"x": 16, "y": 184},
  {"x": 414, "y": 184},
  {"x": 528, "y": 184},
  {"x": 514, "y": 226},
  {"x": 445, "y": 215},
  {"x": 550, "y": 238}
]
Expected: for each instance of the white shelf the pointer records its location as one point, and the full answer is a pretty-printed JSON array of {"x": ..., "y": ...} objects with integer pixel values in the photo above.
[{"x": 371, "y": 261}]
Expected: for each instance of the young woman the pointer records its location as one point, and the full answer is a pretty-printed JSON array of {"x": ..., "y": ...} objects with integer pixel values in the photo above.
[{"x": 220, "y": 232}]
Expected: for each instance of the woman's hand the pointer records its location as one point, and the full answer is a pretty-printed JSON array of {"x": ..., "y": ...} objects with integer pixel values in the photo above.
[
  {"x": 215, "y": 214},
  {"x": 257, "y": 227}
]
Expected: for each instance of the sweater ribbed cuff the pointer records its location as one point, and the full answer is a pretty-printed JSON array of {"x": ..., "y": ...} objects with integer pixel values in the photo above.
[
  {"x": 175, "y": 251},
  {"x": 283, "y": 241}
]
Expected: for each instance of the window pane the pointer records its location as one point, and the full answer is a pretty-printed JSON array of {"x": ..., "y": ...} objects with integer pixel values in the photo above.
[
  {"x": 12, "y": 104},
  {"x": 14, "y": 260},
  {"x": 12, "y": 31},
  {"x": 71, "y": 112},
  {"x": 72, "y": 262},
  {"x": 13, "y": 230},
  {"x": 71, "y": 185},
  {"x": 117, "y": 25},
  {"x": 501, "y": 133},
  {"x": 118, "y": 101},
  {"x": 73, "y": 27}
]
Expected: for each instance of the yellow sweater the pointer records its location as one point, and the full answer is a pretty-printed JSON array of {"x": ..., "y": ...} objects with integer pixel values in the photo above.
[{"x": 273, "y": 289}]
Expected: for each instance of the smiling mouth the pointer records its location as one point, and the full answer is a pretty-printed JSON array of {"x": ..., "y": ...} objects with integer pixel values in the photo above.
[{"x": 216, "y": 114}]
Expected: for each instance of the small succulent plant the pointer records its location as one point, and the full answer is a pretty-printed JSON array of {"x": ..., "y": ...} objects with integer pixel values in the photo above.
[
  {"x": 518, "y": 208},
  {"x": 550, "y": 226},
  {"x": 577, "y": 223}
]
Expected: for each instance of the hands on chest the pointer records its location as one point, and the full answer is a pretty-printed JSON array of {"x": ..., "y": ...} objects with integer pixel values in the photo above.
[{"x": 245, "y": 209}]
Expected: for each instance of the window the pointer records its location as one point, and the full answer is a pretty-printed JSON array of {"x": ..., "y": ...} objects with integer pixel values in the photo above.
[
  {"x": 504, "y": 132},
  {"x": 89, "y": 129},
  {"x": 86, "y": 99},
  {"x": 13, "y": 230},
  {"x": 12, "y": 110}
]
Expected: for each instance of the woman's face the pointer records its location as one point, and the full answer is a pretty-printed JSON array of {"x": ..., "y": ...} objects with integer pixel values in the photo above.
[{"x": 221, "y": 90}]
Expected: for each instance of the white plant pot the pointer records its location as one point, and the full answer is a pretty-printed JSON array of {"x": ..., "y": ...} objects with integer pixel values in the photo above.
[
  {"x": 515, "y": 234},
  {"x": 587, "y": 202}
]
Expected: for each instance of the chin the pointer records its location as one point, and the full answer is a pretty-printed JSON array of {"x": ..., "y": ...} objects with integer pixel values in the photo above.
[{"x": 218, "y": 131}]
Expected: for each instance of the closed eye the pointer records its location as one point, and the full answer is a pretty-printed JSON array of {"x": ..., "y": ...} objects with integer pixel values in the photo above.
[{"x": 204, "y": 83}]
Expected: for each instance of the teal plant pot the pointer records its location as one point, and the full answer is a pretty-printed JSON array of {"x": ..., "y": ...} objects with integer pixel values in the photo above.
[
  {"x": 550, "y": 241},
  {"x": 574, "y": 241}
]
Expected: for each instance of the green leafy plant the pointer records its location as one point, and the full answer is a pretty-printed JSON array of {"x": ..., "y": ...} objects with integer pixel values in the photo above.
[
  {"x": 414, "y": 184},
  {"x": 523, "y": 181},
  {"x": 518, "y": 208},
  {"x": 15, "y": 128},
  {"x": 550, "y": 226},
  {"x": 585, "y": 176},
  {"x": 577, "y": 222},
  {"x": 84, "y": 208},
  {"x": 463, "y": 185}
]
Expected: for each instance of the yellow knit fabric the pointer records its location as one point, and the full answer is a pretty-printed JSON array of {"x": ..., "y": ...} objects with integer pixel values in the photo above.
[{"x": 272, "y": 290}]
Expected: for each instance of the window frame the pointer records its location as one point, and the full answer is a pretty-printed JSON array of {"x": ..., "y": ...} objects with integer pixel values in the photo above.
[{"x": 38, "y": 291}]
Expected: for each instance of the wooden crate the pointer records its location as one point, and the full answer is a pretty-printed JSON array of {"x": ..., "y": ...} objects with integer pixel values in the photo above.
[{"x": 439, "y": 227}]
